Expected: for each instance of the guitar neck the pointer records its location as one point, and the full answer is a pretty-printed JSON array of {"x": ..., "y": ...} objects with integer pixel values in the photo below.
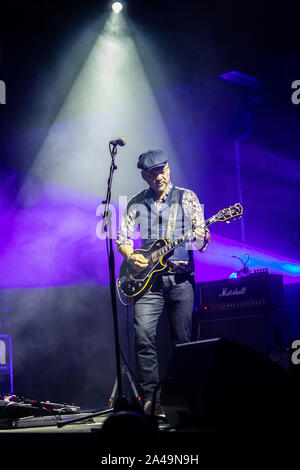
[{"x": 188, "y": 236}]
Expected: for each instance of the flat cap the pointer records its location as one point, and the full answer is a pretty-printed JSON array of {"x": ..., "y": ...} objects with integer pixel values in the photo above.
[{"x": 152, "y": 159}]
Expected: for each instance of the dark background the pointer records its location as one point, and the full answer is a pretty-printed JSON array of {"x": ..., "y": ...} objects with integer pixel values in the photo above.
[{"x": 195, "y": 42}]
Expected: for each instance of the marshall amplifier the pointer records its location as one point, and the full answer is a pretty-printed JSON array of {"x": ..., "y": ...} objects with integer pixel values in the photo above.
[{"x": 249, "y": 310}]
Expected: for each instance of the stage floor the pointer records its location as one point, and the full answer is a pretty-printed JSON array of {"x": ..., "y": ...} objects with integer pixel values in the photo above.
[{"x": 85, "y": 443}]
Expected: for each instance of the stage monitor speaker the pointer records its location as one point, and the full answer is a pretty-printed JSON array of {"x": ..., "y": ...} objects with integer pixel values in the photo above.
[{"x": 220, "y": 384}]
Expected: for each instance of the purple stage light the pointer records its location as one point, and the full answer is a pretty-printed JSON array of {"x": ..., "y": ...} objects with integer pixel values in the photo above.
[
  {"x": 53, "y": 242},
  {"x": 242, "y": 79},
  {"x": 216, "y": 262}
]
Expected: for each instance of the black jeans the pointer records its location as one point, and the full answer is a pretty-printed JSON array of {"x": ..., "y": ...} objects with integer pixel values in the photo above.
[{"x": 176, "y": 293}]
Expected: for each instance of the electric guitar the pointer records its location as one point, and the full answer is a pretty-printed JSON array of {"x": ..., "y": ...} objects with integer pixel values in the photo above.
[{"x": 136, "y": 283}]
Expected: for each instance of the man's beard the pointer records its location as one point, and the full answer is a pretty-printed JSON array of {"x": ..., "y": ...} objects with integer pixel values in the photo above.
[{"x": 160, "y": 188}]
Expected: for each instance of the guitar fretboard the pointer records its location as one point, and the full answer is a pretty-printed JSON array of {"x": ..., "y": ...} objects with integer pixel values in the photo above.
[
  {"x": 224, "y": 215},
  {"x": 189, "y": 236}
]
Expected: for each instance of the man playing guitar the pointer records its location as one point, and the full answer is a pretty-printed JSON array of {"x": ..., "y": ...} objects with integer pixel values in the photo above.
[{"x": 166, "y": 211}]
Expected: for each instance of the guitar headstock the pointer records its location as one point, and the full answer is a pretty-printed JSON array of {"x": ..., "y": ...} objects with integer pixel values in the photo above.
[{"x": 232, "y": 212}]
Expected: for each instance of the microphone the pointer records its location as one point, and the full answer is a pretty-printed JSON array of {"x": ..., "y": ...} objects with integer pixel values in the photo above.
[{"x": 118, "y": 141}]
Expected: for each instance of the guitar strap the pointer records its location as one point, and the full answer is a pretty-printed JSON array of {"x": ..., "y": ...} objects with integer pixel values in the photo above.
[{"x": 173, "y": 214}]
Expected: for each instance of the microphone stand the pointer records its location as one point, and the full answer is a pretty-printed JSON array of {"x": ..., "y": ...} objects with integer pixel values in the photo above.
[
  {"x": 106, "y": 227},
  {"x": 244, "y": 270},
  {"x": 121, "y": 403}
]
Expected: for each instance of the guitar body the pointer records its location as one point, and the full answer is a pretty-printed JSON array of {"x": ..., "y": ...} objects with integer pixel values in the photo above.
[{"x": 133, "y": 283}]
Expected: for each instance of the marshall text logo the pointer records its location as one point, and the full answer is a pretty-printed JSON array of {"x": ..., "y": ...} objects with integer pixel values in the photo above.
[{"x": 227, "y": 292}]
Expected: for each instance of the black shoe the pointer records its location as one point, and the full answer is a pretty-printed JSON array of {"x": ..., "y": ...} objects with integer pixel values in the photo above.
[{"x": 158, "y": 411}]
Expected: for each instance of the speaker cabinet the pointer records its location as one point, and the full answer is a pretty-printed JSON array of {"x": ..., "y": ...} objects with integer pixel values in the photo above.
[
  {"x": 248, "y": 329},
  {"x": 220, "y": 384},
  {"x": 261, "y": 330}
]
